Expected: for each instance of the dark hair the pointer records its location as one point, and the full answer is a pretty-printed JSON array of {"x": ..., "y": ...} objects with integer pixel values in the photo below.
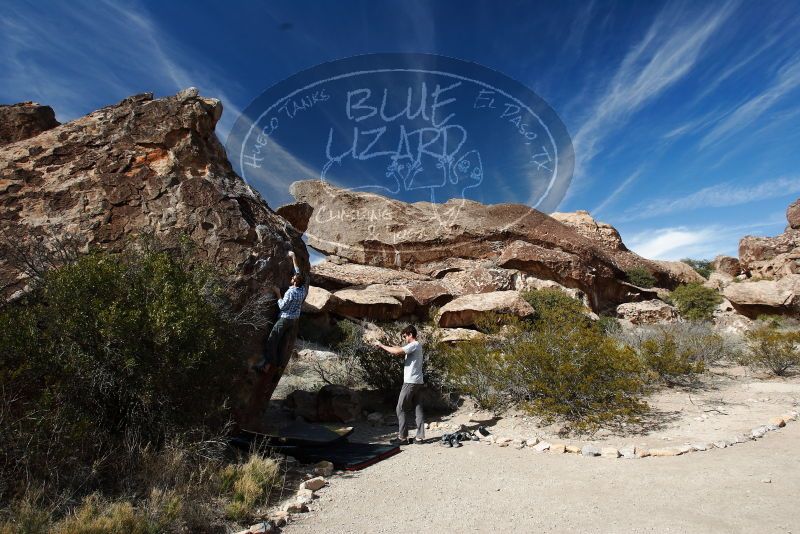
[
  {"x": 300, "y": 279},
  {"x": 410, "y": 329}
]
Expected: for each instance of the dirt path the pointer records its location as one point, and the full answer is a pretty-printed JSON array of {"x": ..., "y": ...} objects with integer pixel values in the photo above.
[{"x": 481, "y": 488}]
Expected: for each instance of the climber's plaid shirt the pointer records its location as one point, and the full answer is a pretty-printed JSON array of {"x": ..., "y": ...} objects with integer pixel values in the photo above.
[{"x": 292, "y": 301}]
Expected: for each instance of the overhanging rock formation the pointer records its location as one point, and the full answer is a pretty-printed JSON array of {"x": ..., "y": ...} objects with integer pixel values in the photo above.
[{"x": 370, "y": 229}]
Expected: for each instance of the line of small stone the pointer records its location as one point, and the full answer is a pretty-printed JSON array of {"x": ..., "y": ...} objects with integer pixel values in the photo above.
[{"x": 632, "y": 452}]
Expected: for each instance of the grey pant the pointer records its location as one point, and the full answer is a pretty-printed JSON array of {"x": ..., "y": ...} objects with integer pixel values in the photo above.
[
  {"x": 410, "y": 398},
  {"x": 282, "y": 329}
]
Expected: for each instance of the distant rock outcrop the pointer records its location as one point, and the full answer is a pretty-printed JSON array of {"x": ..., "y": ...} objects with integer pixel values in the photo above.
[
  {"x": 24, "y": 120},
  {"x": 756, "y": 297},
  {"x": 793, "y": 214},
  {"x": 141, "y": 166},
  {"x": 585, "y": 225},
  {"x": 773, "y": 257}
]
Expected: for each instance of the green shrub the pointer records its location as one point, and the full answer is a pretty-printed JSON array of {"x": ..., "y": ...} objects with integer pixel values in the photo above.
[
  {"x": 107, "y": 352},
  {"x": 773, "y": 348},
  {"x": 702, "y": 267},
  {"x": 668, "y": 362},
  {"x": 695, "y": 302},
  {"x": 640, "y": 277},
  {"x": 553, "y": 305},
  {"x": 696, "y": 341},
  {"x": 609, "y": 325},
  {"x": 557, "y": 369},
  {"x": 476, "y": 370}
]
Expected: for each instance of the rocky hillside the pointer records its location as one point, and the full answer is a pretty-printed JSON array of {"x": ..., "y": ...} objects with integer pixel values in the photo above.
[
  {"x": 142, "y": 166},
  {"x": 155, "y": 166}
]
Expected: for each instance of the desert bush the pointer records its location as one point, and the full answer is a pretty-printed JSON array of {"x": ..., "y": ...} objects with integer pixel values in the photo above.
[
  {"x": 476, "y": 370},
  {"x": 249, "y": 485},
  {"x": 668, "y": 362},
  {"x": 695, "y": 302},
  {"x": 97, "y": 516},
  {"x": 640, "y": 277},
  {"x": 774, "y": 348},
  {"x": 702, "y": 267},
  {"x": 778, "y": 321},
  {"x": 696, "y": 339},
  {"x": 609, "y": 325},
  {"x": 553, "y": 305},
  {"x": 559, "y": 365},
  {"x": 106, "y": 352},
  {"x": 378, "y": 369}
]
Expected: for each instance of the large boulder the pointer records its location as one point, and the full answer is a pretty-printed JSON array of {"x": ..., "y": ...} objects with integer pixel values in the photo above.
[
  {"x": 585, "y": 225},
  {"x": 683, "y": 272},
  {"x": 467, "y": 310},
  {"x": 333, "y": 276},
  {"x": 297, "y": 214},
  {"x": 753, "y": 298},
  {"x": 793, "y": 214},
  {"x": 24, "y": 120},
  {"x": 480, "y": 280},
  {"x": 647, "y": 312},
  {"x": 146, "y": 167},
  {"x": 143, "y": 166},
  {"x": 319, "y": 300},
  {"x": 727, "y": 265},
  {"x": 728, "y": 320},
  {"x": 400, "y": 235},
  {"x": 718, "y": 280},
  {"x": 773, "y": 257},
  {"x": 378, "y": 302}
]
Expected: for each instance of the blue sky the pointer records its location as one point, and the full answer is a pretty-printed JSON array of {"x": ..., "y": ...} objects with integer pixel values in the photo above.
[{"x": 685, "y": 116}]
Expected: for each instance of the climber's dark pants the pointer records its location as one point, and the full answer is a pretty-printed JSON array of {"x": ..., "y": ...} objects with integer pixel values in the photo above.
[{"x": 279, "y": 337}]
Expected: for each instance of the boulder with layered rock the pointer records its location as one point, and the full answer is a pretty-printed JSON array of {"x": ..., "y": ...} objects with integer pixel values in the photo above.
[
  {"x": 143, "y": 166},
  {"x": 755, "y": 297},
  {"x": 468, "y": 310},
  {"x": 773, "y": 257},
  {"x": 588, "y": 227},
  {"x": 727, "y": 265},
  {"x": 647, "y": 312},
  {"x": 425, "y": 237}
]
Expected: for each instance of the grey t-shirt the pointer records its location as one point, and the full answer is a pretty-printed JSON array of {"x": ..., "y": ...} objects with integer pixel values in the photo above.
[{"x": 412, "y": 367}]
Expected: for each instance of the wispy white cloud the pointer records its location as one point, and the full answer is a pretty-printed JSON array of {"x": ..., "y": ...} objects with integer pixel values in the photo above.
[
  {"x": 671, "y": 243},
  {"x": 618, "y": 191},
  {"x": 786, "y": 81},
  {"x": 716, "y": 196},
  {"x": 85, "y": 54},
  {"x": 665, "y": 55},
  {"x": 675, "y": 243},
  {"x": 776, "y": 35},
  {"x": 692, "y": 125}
]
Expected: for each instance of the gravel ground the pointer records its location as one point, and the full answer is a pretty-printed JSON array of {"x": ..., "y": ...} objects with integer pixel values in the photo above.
[{"x": 482, "y": 488}]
